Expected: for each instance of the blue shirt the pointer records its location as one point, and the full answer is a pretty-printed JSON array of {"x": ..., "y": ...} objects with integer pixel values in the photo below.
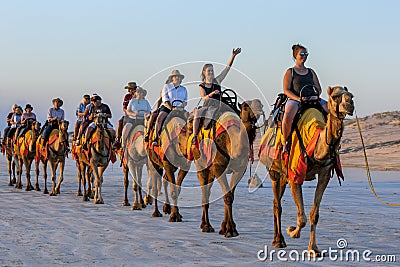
[
  {"x": 54, "y": 113},
  {"x": 171, "y": 93},
  {"x": 80, "y": 109}
]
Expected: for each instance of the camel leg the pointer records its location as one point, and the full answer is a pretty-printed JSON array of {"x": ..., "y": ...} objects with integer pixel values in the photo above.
[
  {"x": 228, "y": 227},
  {"x": 156, "y": 175},
  {"x": 323, "y": 181},
  {"x": 206, "y": 184},
  {"x": 294, "y": 232},
  {"x": 87, "y": 176},
  {"x": 53, "y": 167},
  {"x": 37, "y": 188},
  {"x": 148, "y": 200},
  {"x": 44, "y": 166},
  {"x": 61, "y": 178},
  {"x": 278, "y": 187},
  {"x": 18, "y": 165},
  {"x": 80, "y": 179},
  {"x": 134, "y": 174},
  {"x": 175, "y": 190},
  {"x": 27, "y": 164},
  {"x": 11, "y": 171},
  {"x": 99, "y": 184},
  {"x": 13, "y": 167},
  {"x": 139, "y": 172},
  {"x": 125, "y": 170},
  {"x": 167, "y": 203}
]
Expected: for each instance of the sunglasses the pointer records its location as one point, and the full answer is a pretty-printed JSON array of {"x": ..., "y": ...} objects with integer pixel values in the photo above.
[{"x": 303, "y": 54}]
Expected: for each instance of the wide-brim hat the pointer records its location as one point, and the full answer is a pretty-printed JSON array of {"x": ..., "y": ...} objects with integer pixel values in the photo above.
[
  {"x": 28, "y": 106},
  {"x": 176, "y": 73},
  {"x": 131, "y": 85},
  {"x": 58, "y": 100},
  {"x": 141, "y": 90}
]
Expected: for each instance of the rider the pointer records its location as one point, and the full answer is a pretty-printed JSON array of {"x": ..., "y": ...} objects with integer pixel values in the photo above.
[
  {"x": 210, "y": 90},
  {"x": 8, "y": 120},
  {"x": 28, "y": 115},
  {"x": 131, "y": 87},
  {"x": 15, "y": 123},
  {"x": 54, "y": 114},
  {"x": 172, "y": 92},
  {"x": 294, "y": 80},
  {"x": 97, "y": 107},
  {"x": 85, "y": 123},
  {"x": 138, "y": 107},
  {"x": 80, "y": 112}
]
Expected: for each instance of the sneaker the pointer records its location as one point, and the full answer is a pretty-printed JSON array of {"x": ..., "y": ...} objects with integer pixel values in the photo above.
[{"x": 155, "y": 142}]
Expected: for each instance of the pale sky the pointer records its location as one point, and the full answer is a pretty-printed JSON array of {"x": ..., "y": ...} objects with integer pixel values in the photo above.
[{"x": 68, "y": 48}]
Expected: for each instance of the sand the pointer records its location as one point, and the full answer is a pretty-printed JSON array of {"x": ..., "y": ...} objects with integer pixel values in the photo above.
[{"x": 39, "y": 230}]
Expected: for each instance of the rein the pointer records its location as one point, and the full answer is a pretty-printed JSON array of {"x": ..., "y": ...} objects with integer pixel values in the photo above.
[{"x": 368, "y": 171}]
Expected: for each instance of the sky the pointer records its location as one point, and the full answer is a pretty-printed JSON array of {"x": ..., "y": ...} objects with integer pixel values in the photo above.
[{"x": 65, "y": 49}]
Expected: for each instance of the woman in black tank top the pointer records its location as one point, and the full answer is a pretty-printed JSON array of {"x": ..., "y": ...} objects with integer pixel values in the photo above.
[
  {"x": 209, "y": 90},
  {"x": 294, "y": 80}
]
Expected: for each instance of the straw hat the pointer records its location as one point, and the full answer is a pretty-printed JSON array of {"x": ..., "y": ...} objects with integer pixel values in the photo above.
[
  {"x": 131, "y": 85},
  {"x": 176, "y": 73},
  {"x": 58, "y": 100}
]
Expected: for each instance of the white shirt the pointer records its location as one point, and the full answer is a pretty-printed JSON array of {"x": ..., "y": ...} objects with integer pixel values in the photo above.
[
  {"x": 170, "y": 93},
  {"x": 141, "y": 106}
]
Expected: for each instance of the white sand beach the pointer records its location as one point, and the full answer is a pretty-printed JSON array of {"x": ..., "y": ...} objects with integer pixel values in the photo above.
[{"x": 39, "y": 230}]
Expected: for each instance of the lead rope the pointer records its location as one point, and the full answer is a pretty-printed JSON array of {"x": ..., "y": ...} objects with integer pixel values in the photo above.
[{"x": 368, "y": 171}]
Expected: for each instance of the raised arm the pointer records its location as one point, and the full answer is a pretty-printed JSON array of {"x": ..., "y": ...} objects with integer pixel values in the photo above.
[{"x": 225, "y": 71}]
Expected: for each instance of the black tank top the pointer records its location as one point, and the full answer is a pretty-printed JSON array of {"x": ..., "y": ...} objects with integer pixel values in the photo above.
[
  {"x": 299, "y": 81},
  {"x": 213, "y": 87}
]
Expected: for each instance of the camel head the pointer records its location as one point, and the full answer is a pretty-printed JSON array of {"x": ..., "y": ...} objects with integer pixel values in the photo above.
[
  {"x": 340, "y": 102},
  {"x": 36, "y": 126},
  {"x": 100, "y": 120},
  {"x": 63, "y": 125}
]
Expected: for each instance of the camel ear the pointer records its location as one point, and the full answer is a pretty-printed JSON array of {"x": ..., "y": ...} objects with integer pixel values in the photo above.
[
  {"x": 330, "y": 90},
  {"x": 345, "y": 88}
]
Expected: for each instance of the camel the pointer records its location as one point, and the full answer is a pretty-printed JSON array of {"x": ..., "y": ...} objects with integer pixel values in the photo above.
[
  {"x": 133, "y": 157},
  {"x": 84, "y": 172},
  {"x": 175, "y": 157},
  {"x": 100, "y": 149},
  {"x": 10, "y": 164},
  {"x": 322, "y": 163},
  {"x": 55, "y": 153},
  {"x": 231, "y": 152},
  {"x": 25, "y": 151}
]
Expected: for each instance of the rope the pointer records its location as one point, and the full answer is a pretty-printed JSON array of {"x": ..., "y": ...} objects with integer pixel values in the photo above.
[{"x": 368, "y": 171}]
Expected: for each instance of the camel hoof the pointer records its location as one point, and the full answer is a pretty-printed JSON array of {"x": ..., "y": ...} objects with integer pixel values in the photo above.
[
  {"x": 290, "y": 231},
  {"x": 14, "y": 181},
  {"x": 167, "y": 208},
  {"x": 28, "y": 188},
  {"x": 148, "y": 200},
  {"x": 45, "y": 191},
  {"x": 99, "y": 201},
  {"x": 18, "y": 186},
  {"x": 52, "y": 194},
  {"x": 156, "y": 214},
  {"x": 143, "y": 206},
  {"x": 175, "y": 217},
  {"x": 208, "y": 229},
  {"x": 10, "y": 184},
  {"x": 31, "y": 187},
  {"x": 125, "y": 203},
  {"x": 136, "y": 207},
  {"x": 37, "y": 188},
  {"x": 279, "y": 244},
  {"x": 85, "y": 198},
  {"x": 314, "y": 253},
  {"x": 58, "y": 191},
  {"x": 79, "y": 194}
]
